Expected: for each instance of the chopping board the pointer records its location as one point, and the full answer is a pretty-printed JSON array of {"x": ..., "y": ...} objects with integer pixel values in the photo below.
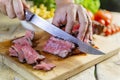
[{"x": 65, "y": 68}]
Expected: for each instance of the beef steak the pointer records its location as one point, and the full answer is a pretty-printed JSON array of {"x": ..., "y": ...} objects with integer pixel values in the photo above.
[
  {"x": 58, "y": 47},
  {"x": 22, "y": 48}
]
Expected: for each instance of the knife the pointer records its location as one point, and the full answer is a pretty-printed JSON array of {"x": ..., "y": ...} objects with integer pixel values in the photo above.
[{"x": 55, "y": 31}]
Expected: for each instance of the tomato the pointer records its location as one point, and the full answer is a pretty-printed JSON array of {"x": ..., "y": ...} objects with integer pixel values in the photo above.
[
  {"x": 104, "y": 15},
  {"x": 108, "y": 31},
  {"x": 108, "y": 22},
  {"x": 101, "y": 21},
  {"x": 117, "y": 28},
  {"x": 113, "y": 30},
  {"x": 90, "y": 14}
]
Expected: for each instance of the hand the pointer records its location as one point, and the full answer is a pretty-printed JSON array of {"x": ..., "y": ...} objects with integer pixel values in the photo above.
[
  {"x": 13, "y": 8},
  {"x": 68, "y": 14}
]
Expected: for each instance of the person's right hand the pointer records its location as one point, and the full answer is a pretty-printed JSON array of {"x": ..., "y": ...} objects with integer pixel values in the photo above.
[
  {"x": 68, "y": 14},
  {"x": 13, "y": 8}
]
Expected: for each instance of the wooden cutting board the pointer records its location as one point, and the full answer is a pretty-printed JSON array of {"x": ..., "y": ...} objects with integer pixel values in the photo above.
[{"x": 65, "y": 68}]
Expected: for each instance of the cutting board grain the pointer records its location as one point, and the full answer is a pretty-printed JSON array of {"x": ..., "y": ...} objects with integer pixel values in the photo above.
[{"x": 65, "y": 68}]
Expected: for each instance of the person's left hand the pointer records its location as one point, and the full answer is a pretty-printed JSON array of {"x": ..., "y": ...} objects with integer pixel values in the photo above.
[{"x": 68, "y": 14}]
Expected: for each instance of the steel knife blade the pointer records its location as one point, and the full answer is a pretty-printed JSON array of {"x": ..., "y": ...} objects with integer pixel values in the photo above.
[{"x": 55, "y": 31}]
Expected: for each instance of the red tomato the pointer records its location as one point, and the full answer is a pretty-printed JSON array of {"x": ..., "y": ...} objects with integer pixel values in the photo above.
[
  {"x": 101, "y": 21},
  {"x": 108, "y": 22},
  {"x": 104, "y": 15},
  {"x": 113, "y": 30},
  {"x": 91, "y": 14},
  {"x": 117, "y": 28},
  {"x": 108, "y": 31}
]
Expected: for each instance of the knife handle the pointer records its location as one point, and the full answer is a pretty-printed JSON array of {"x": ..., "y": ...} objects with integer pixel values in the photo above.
[{"x": 28, "y": 15}]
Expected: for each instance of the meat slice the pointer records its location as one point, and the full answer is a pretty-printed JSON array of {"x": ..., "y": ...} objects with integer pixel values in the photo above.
[
  {"x": 29, "y": 35},
  {"x": 31, "y": 56},
  {"x": 22, "y": 48},
  {"x": 58, "y": 47},
  {"x": 22, "y": 41},
  {"x": 13, "y": 52},
  {"x": 44, "y": 66},
  {"x": 18, "y": 48}
]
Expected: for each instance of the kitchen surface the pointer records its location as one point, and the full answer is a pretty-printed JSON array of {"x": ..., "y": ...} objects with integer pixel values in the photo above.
[{"x": 84, "y": 67}]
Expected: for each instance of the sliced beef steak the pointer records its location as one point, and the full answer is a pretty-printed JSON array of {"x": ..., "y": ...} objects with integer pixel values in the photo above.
[
  {"x": 22, "y": 48},
  {"x": 58, "y": 47},
  {"x": 31, "y": 56},
  {"x": 22, "y": 41},
  {"x": 44, "y": 66},
  {"x": 18, "y": 48},
  {"x": 29, "y": 35},
  {"x": 13, "y": 52}
]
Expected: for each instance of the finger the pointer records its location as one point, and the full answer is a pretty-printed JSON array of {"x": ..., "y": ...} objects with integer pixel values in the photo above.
[
  {"x": 59, "y": 20},
  {"x": 18, "y": 8},
  {"x": 9, "y": 9},
  {"x": 89, "y": 32},
  {"x": 86, "y": 39},
  {"x": 63, "y": 20},
  {"x": 25, "y": 4},
  {"x": 2, "y": 8},
  {"x": 83, "y": 22},
  {"x": 71, "y": 19},
  {"x": 56, "y": 21}
]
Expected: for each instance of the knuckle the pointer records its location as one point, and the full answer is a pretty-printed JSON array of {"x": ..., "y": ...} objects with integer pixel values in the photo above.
[
  {"x": 72, "y": 5},
  {"x": 19, "y": 13}
]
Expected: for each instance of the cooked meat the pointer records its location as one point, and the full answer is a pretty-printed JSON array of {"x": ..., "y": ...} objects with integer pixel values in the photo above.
[
  {"x": 29, "y": 35},
  {"x": 22, "y": 41},
  {"x": 44, "y": 66},
  {"x": 18, "y": 48},
  {"x": 58, "y": 47},
  {"x": 31, "y": 56},
  {"x": 22, "y": 48},
  {"x": 13, "y": 52}
]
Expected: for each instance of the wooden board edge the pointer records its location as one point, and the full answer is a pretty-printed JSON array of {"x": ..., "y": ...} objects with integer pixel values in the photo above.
[
  {"x": 14, "y": 66},
  {"x": 89, "y": 64}
]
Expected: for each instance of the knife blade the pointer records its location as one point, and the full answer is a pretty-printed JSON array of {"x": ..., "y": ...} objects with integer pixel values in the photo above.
[{"x": 55, "y": 31}]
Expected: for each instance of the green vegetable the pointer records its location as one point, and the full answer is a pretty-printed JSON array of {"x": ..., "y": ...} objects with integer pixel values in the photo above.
[
  {"x": 92, "y": 5},
  {"x": 48, "y": 3}
]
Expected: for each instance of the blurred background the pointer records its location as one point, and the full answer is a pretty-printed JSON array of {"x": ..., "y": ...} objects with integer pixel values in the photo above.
[
  {"x": 111, "y": 5},
  {"x": 100, "y": 11},
  {"x": 46, "y": 8}
]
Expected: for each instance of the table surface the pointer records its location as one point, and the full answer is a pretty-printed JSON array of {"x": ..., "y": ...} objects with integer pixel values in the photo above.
[{"x": 106, "y": 70}]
